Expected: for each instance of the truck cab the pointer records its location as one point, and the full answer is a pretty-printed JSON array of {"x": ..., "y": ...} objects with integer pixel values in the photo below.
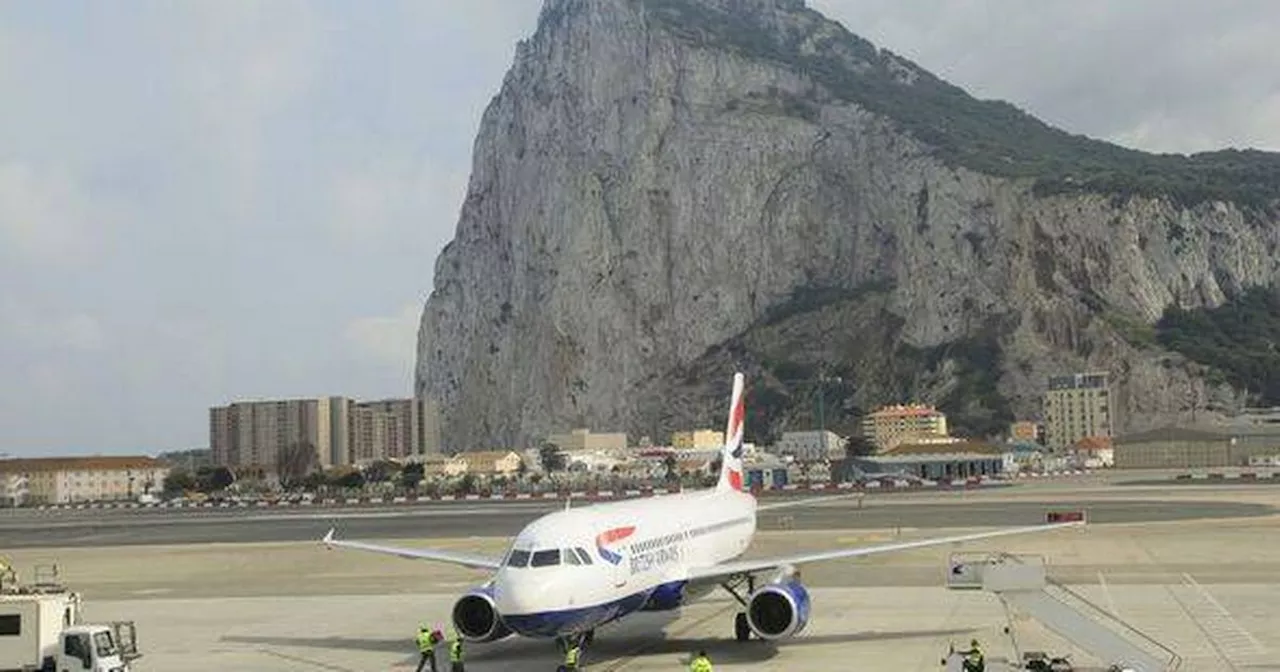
[{"x": 97, "y": 648}]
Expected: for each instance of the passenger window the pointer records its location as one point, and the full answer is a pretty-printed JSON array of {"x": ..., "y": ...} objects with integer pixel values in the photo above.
[
  {"x": 586, "y": 559},
  {"x": 518, "y": 559},
  {"x": 569, "y": 557},
  {"x": 545, "y": 558}
]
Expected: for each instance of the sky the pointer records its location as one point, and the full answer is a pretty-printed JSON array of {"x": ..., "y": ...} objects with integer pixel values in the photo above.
[{"x": 209, "y": 201}]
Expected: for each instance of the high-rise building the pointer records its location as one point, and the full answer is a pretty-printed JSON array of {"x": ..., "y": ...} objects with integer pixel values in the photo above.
[
  {"x": 889, "y": 425},
  {"x": 341, "y": 430},
  {"x": 393, "y": 428},
  {"x": 254, "y": 433},
  {"x": 1077, "y": 406}
]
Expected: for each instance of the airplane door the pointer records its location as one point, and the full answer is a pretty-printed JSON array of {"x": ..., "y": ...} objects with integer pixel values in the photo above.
[{"x": 620, "y": 573}]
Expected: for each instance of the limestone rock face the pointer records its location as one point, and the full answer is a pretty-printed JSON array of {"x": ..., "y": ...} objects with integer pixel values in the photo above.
[{"x": 650, "y": 210}]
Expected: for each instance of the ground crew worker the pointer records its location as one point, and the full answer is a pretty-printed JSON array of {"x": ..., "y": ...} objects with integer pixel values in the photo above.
[
  {"x": 974, "y": 661},
  {"x": 455, "y": 653},
  {"x": 427, "y": 641},
  {"x": 700, "y": 663},
  {"x": 571, "y": 657}
]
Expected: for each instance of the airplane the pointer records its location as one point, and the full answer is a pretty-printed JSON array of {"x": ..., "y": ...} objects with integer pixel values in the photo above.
[{"x": 574, "y": 570}]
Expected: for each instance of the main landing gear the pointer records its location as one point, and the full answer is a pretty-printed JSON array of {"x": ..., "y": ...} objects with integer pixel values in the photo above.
[
  {"x": 583, "y": 640},
  {"x": 741, "y": 629}
]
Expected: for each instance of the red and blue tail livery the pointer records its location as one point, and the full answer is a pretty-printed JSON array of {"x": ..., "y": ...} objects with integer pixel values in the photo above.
[{"x": 609, "y": 537}]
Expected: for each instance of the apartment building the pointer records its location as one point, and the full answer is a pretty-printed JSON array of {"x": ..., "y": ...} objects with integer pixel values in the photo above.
[
  {"x": 889, "y": 425},
  {"x": 343, "y": 431},
  {"x": 253, "y": 433},
  {"x": 393, "y": 428},
  {"x": 583, "y": 439},
  {"x": 697, "y": 438},
  {"x": 1077, "y": 406},
  {"x": 62, "y": 480}
]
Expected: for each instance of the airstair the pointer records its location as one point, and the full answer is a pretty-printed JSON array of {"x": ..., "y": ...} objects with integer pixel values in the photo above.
[{"x": 1023, "y": 586}]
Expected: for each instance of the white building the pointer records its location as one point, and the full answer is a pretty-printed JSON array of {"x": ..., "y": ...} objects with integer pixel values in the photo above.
[{"x": 811, "y": 445}]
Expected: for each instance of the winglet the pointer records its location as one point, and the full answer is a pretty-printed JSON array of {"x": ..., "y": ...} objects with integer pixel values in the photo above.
[{"x": 328, "y": 537}]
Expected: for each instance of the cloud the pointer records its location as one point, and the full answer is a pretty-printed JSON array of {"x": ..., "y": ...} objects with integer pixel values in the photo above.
[
  {"x": 76, "y": 332},
  {"x": 1164, "y": 75},
  {"x": 43, "y": 216},
  {"x": 390, "y": 341}
]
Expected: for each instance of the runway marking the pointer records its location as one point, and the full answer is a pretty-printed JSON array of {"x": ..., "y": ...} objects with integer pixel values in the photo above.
[
  {"x": 1230, "y": 621},
  {"x": 1106, "y": 592}
]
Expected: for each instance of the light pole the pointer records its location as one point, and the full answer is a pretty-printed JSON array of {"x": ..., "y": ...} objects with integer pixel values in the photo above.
[{"x": 823, "y": 379}]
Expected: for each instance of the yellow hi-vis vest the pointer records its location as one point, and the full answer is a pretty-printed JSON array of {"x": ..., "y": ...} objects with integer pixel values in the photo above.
[
  {"x": 425, "y": 642},
  {"x": 571, "y": 657},
  {"x": 455, "y": 651},
  {"x": 700, "y": 664}
]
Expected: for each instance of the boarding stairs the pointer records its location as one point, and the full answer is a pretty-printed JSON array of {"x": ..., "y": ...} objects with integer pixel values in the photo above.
[{"x": 1023, "y": 586}]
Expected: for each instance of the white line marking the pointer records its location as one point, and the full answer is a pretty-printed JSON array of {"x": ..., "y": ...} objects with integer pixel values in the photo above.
[
  {"x": 1106, "y": 592},
  {"x": 1231, "y": 620}
]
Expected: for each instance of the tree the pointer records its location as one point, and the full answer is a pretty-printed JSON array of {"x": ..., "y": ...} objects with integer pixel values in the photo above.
[
  {"x": 351, "y": 479},
  {"x": 859, "y": 446},
  {"x": 179, "y": 481},
  {"x": 381, "y": 471},
  {"x": 550, "y": 457},
  {"x": 412, "y": 475},
  {"x": 294, "y": 462},
  {"x": 467, "y": 484}
]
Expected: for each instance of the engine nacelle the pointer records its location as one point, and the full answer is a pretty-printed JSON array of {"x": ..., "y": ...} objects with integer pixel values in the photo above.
[
  {"x": 779, "y": 609},
  {"x": 476, "y": 616}
]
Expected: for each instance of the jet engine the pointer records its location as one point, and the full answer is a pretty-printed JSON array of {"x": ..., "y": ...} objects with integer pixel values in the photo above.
[
  {"x": 778, "y": 609},
  {"x": 476, "y": 616}
]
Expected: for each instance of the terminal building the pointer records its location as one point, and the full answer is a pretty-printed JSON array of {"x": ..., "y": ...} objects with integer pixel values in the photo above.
[
  {"x": 933, "y": 461},
  {"x": 1201, "y": 447}
]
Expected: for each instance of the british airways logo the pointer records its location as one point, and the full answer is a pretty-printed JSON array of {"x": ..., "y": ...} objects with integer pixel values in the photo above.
[{"x": 610, "y": 537}]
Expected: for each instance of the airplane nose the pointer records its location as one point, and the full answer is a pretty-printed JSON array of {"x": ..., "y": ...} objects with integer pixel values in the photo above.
[{"x": 514, "y": 594}]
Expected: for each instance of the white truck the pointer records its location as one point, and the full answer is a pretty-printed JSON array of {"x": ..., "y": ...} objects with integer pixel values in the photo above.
[{"x": 41, "y": 629}]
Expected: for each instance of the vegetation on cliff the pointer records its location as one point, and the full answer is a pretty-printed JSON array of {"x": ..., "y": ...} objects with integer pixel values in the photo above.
[
  {"x": 992, "y": 137},
  {"x": 1239, "y": 340}
]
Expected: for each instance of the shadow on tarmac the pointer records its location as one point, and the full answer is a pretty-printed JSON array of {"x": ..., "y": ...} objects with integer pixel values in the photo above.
[{"x": 605, "y": 649}]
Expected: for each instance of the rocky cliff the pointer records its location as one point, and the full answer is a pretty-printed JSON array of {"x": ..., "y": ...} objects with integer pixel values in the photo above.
[{"x": 665, "y": 191}]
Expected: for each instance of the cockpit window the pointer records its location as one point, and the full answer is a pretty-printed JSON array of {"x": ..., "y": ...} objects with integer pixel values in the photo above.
[
  {"x": 545, "y": 558},
  {"x": 586, "y": 559},
  {"x": 569, "y": 557},
  {"x": 518, "y": 558}
]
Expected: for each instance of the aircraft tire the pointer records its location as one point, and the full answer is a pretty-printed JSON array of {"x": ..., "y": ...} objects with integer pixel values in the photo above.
[{"x": 741, "y": 629}]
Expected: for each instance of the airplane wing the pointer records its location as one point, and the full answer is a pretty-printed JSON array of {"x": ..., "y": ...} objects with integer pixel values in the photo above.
[
  {"x": 741, "y": 567},
  {"x": 451, "y": 557},
  {"x": 808, "y": 501}
]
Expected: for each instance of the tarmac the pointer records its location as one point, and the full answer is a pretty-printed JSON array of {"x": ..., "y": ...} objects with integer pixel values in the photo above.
[{"x": 1194, "y": 567}]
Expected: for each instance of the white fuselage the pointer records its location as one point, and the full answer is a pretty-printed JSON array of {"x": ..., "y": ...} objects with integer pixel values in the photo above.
[{"x": 573, "y": 570}]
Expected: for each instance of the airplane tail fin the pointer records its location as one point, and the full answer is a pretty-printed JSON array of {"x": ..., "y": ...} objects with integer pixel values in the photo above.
[{"x": 731, "y": 455}]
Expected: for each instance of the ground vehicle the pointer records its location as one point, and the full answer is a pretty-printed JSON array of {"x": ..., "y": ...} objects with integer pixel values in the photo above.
[{"x": 41, "y": 629}]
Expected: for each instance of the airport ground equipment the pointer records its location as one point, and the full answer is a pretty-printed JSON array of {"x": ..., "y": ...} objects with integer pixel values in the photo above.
[
  {"x": 1023, "y": 586},
  {"x": 41, "y": 628}
]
